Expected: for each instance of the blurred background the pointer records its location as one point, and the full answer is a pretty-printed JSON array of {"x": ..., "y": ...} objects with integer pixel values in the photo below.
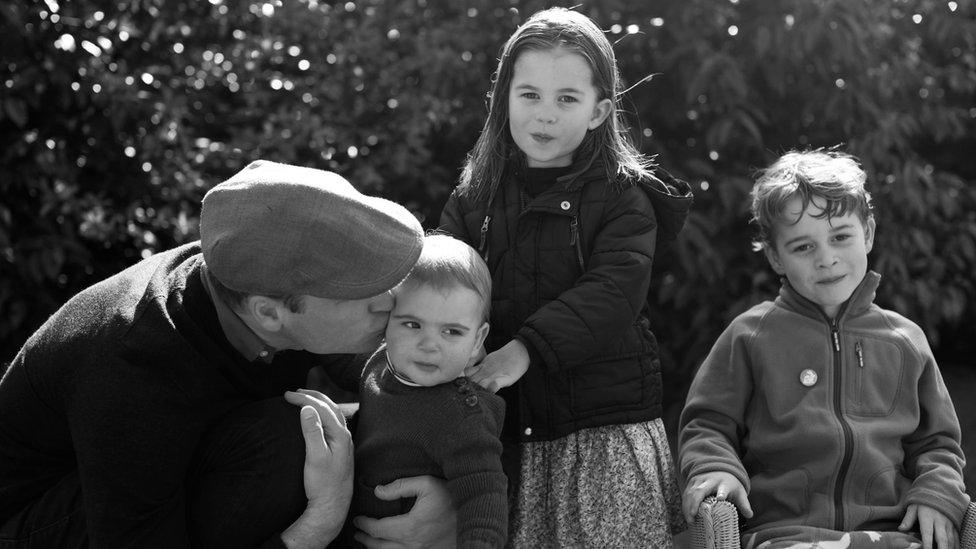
[{"x": 116, "y": 118}]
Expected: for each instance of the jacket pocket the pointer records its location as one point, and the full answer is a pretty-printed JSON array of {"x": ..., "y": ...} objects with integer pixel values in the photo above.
[
  {"x": 778, "y": 495},
  {"x": 878, "y": 369},
  {"x": 883, "y": 493},
  {"x": 610, "y": 385}
]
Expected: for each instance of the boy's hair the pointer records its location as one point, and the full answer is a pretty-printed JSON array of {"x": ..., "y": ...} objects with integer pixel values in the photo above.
[
  {"x": 547, "y": 30},
  {"x": 831, "y": 175},
  {"x": 445, "y": 263}
]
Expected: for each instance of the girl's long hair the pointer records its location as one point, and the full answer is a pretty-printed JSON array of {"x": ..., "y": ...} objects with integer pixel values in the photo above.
[{"x": 608, "y": 144}]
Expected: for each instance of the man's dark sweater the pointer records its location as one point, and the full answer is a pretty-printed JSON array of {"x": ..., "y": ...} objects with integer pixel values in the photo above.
[
  {"x": 448, "y": 431},
  {"x": 119, "y": 386}
]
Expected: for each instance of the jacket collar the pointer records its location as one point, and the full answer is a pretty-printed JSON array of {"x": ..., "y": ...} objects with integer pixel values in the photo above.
[{"x": 859, "y": 302}]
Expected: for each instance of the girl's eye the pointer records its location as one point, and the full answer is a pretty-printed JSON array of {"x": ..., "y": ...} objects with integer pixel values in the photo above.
[
  {"x": 568, "y": 99},
  {"x": 802, "y": 248},
  {"x": 530, "y": 95},
  {"x": 453, "y": 332},
  {"x": 411, "y": 324}
]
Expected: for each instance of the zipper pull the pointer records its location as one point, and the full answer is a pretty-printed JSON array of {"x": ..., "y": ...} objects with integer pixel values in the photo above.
[
  {"x": 836, "y": 340},
  {"x": 860, "y": 354},
  {"x": 573, "y": 230},
  {"x": 484, "y": 235}
]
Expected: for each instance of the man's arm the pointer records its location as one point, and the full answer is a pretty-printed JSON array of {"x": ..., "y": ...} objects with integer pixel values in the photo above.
[{"x": 432, "y": 522}]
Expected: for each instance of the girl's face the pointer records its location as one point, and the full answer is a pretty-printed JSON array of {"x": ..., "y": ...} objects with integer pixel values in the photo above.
[{"x": 551, "y": 104}]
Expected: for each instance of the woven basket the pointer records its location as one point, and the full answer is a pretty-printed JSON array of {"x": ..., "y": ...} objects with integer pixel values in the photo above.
[
  {"x": 967, "y": 537},
  {"x": 716, "y": 526}
]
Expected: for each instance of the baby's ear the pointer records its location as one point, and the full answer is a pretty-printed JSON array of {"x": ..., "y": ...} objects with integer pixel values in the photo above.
[
  {"x": 482, "y": 335},
  {"x": 600, "y": 112}
]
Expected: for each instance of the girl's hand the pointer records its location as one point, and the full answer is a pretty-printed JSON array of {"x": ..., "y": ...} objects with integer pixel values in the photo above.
[
  {"x": 502, "y": 367},
  {"x": 936, "y": 529}
]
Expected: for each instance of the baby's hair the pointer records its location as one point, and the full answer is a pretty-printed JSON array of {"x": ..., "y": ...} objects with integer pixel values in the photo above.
[
  {"x": 546, "y": 30},
  {"x": 446, "y": 263},
  {"x": 831, "y": 175}
]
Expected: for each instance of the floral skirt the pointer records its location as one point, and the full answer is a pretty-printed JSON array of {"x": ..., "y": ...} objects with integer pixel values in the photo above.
[{"x": 612, "y": 486}]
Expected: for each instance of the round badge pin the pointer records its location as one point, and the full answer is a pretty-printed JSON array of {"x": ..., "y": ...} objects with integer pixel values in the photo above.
[{"x": 808, "y": 378}]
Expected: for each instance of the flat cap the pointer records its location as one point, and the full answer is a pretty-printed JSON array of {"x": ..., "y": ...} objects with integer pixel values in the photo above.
[{"x": 278, "y": 229}]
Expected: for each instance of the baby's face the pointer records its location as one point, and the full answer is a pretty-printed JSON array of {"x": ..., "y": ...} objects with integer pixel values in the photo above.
[
  {"x": 433, "y": 333},
  {"x": 824, "y": 260}
]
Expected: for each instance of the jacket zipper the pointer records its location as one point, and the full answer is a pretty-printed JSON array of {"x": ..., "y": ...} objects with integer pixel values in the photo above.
[
  {"x": 574, "y": 239},
  {"x": 848, "y": 435},
  {"x": 483, "y": 243}
]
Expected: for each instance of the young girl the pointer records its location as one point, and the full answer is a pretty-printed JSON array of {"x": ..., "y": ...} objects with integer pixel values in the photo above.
[{"x": 560, "y": 204}]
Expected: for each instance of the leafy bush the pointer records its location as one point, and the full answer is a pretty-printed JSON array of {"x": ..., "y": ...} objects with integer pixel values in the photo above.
[{"x": 116, "y": 118}]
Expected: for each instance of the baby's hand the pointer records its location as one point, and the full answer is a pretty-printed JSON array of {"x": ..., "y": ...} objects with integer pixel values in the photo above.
[
  {"x": 502, "y": 367},
  {"x": 931, "y": 524},
  {"x": 723, "y": 485}
]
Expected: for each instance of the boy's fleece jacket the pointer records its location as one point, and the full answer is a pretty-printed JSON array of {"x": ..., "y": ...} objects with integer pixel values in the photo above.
[{"x": 874, "y": 433}]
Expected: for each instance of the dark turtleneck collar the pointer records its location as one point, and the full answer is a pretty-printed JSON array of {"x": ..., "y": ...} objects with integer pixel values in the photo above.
[{"x": 536, "y": 180}]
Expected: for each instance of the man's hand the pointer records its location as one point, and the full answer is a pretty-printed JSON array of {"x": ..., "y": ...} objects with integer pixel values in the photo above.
[
  {"x": 432, "y": 522},
  {"x": 931, "y": 524},
  {"x": 723, "y": 485},
  {"x": 501, "y": 368},
  {"x": 328, "y": 471}
]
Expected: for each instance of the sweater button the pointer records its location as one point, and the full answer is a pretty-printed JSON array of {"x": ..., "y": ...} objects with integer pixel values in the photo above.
[
  {"x": 528, "y": 431},
  {"x": 471, "y": 400},
  {"x": 564, "y": 205}
]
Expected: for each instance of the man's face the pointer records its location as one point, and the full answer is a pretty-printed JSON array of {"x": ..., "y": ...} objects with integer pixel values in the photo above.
[
  {"x": 824, "y": 260},
  {"x": 433, "y": 333},
  {"x": 328, "y": 326}
]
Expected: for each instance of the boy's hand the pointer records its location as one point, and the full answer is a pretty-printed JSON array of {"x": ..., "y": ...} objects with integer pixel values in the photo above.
[
  {"x": 723, "y": 485},
  {"x": 431, "y": 522},
  {"x": 502, "y": 367},
  {"x": 931, "y": 524}
]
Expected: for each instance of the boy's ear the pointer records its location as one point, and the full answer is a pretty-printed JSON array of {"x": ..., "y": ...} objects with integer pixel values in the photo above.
[
  {"x": 869, "y": 229},
  {"x": 600, "y": 113},
  {"x": 266, "y": 311},
  {"x": 481, "y": 335},
  {"x": 773, "y": 259}
]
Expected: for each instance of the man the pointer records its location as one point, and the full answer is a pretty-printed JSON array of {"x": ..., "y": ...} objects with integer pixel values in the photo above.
[{"x": 148, "y": 410}]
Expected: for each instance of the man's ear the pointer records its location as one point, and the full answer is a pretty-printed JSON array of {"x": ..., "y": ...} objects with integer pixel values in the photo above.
[
  {"x": 600, "y": 112},
  {"x": 267, "y": 312},
  {"x": 773, "y": 259},
  {"x": 869, "y": 229}
]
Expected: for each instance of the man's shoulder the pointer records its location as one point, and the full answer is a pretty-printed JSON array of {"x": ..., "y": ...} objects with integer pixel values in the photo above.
[{"x": 108, "y": 306}]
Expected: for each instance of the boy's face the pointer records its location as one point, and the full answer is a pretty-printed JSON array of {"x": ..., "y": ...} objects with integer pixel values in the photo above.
[
  {"x": 824, "y": 260},
  {"x": 433, "y": 333}
]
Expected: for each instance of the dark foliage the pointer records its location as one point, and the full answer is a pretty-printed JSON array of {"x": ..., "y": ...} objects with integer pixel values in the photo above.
[{"x": 117, "y": 116}]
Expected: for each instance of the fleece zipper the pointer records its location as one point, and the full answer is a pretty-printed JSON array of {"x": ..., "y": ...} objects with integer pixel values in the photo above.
[{"x": 848, "y": 433}]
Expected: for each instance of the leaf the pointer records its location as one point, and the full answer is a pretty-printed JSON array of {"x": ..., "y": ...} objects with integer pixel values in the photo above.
[{"x": 16, "y": 110}]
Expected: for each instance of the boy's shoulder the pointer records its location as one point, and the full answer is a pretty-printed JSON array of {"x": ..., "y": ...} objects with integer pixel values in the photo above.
[
  {"x": 890, "y": 323},
  {"x": 472, "y": 399}
]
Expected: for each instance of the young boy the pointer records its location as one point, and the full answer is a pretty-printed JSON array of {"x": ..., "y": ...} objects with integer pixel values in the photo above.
[
  {"x": 418, "y": 415},
  {"x": 827, "y": 411}
]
